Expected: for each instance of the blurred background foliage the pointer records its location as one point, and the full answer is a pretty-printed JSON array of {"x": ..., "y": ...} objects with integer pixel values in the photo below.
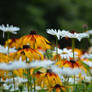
[{"x": 40, "y": 15}]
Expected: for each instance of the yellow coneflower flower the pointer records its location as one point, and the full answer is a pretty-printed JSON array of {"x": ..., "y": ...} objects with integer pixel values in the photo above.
[
  {"x": 18, "y": 72},
  {"x": 48, "y": 79},
  {"x": 57, "y": 88},
  {"x": 14, "y": 42},
  {"x": 3, "y": 74},
  {"x": 71, "y": 64},
  {"x": 4, "y": 58},
  {"x": 78, "y": 51},
  {"x": 27, "y": 52},
  {"x": 34, "y": 40}
]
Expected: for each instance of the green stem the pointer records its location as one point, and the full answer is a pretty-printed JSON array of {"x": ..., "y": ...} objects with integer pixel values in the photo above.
[
  {"x": 34, "y": 85},
  {"x": 28, "y": 80},
  {"x": 74, "y": 80},
  {"x": 57, "y": 48},
  {"x": 73, "y": 45},
  {"x": 8, "y": 36},
  {"x": 13, "y": 80},
  {"x": 28, "y": 77}
]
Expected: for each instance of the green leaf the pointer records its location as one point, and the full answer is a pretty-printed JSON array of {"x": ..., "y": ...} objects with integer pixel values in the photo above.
[
  {"x": 42, "y": 90},
  {"x": 36, "y": 70},
  {"x": 86, "y": 66}
]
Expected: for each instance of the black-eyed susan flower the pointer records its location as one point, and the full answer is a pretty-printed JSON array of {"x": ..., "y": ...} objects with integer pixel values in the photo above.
[
  {"x": 57, "y": 88},
  {"x": 71, "y": 63},
  {"x": 27, "y": 52},
  {"x": 4, "y": 58},
  {"x": 79, "y": 51},
  {"x": 3, "y": 74},
  {"x": 14, "y": 42},
  {"x": 48, "y": 79},
  {"x": 35, "y": 41}
]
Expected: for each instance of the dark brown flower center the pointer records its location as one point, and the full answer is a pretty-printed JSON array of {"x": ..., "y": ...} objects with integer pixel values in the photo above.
[
  {"x": 49, "y": 71},
  {"x": 26, "y": 46},
  {"x": 38, "y": 72},
  {"x": 72, "y": 61},
  {"x": 57, "y": 86},
  {"x": 33, "y": 32}
]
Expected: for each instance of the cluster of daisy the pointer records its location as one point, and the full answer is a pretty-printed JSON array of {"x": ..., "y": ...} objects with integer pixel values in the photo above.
[{"x": 29, "y": 63}]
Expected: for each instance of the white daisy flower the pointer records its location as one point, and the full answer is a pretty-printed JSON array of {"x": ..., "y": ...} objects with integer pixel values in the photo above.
[
  {"x": 54, "y": 32},
  {"x": 22, "y": 64},
  {"x": 72, "y": 81},
  {"x": 86, "y": 55},
  {"x": 89, "y": 63},
  {"x": 44, "y": 63},
  {"x": 65, "y": 53},
  {"x": 65, "y": 33},
  {"x": 8, "y": 28},
  {"x": 13, "y": 65},
  {"x": 89, "y": 32},
  {"x": 18, "y": 80},
  {"x": 10, "y": 87},
  {"x": 78, "y": 36},
  {"x": 66, "y": 70},
  {"x": 5, "y": 49}
]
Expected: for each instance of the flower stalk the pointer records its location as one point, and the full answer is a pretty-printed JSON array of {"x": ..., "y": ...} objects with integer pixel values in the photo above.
[
  {"x": 57, "y": 48},
  {"x": 73, "y": 46},
  {"x": 28, "y": 77}
]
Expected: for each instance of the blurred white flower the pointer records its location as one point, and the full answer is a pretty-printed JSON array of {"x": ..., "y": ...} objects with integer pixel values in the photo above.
[
  {"x": 78, "y": 36},
  {"x": 89, "y": 32},
  {"x": 44, "y": 63},
  {"x": 65, "y": 53},
  {"x": 89, "y": 63},
  {"x": 8, "y": 28},
  {"x": 18, "y": 81},
  {"x": 54, "y": 32},
  {"x": 5, "y": 49},
  {"x": 66, "y": 70},
  {"x": 86, "y": 56},
  {"x": 22, "y": 64},
  {"x": 13, "y": 65},
  {"x": 65, "y": 33}
]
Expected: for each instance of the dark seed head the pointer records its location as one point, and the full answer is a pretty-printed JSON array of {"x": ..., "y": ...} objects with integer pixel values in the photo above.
[
  {"x": 57, "y": 86},
  {"x": 72, "y": 61},
  {"x": 26, "y": 46},
  {"x": 23, "y": 53},
  {"x": 38, "y": 72},
  {"x": 33, "y": 32},
  {"x": 19, "y": 48},
  {"x": 49, "y": 71}
]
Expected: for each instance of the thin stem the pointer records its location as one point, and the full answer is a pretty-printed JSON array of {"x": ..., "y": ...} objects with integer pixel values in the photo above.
[
  {"x": 28, "y": 80},
  {"x": 74, "y": 79},
  {"x": 28, "y": 76},
  {"x": 57, "y": 48},
  {"x": 13, "y": 80},
  {"x": 34, "y": 85},
  {"x": 8, "y": 36},
  {"x": 73, "y": 46}
]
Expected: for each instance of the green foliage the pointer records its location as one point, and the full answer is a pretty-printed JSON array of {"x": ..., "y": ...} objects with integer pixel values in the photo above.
[{"x": 42, "y": 14}]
